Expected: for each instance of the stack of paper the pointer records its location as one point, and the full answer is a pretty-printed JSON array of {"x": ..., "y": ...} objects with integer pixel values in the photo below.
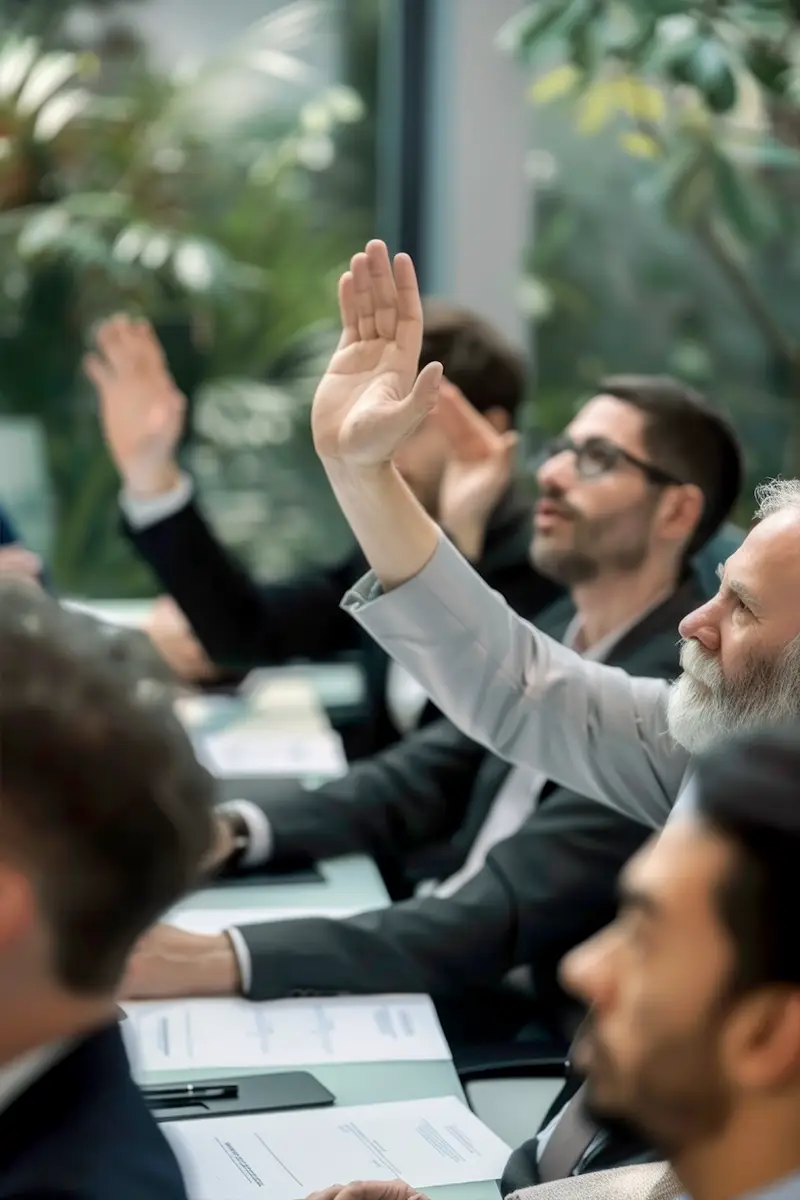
[
  {"x": 254, "y": 751},
  {"x": 180, "y": 1035},
  {"x": 428, "y": 1143}
]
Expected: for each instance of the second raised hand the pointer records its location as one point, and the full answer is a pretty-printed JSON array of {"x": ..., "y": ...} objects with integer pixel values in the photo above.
[{"x": 371, "y": 397}]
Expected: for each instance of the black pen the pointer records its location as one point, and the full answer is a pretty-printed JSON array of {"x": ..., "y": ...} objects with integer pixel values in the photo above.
[{"x": 191, "y": 1091}]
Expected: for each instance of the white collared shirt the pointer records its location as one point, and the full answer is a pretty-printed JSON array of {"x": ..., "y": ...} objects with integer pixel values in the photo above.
[{"x": 17, "y": 1076}]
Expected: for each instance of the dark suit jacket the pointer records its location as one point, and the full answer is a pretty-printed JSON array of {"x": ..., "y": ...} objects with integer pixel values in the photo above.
[
  {"x": 242, "y": 625},
  {"x": 540, "y": 892},
  {"x": 82, "y": 1132},
  {"x": 8, "y": 534}
]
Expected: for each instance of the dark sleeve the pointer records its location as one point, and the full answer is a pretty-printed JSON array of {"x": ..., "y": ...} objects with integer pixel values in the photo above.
[
  {"x": 238, "y": 623},
  {"x": 8, "y": 534},
  {"x": 545, "y": 888},
  {"x": 387, "y": 806}
]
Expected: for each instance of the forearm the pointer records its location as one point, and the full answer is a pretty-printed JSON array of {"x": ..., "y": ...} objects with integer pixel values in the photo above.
[
  {"x": 440, "y": 947},
  {"x": 394, "y": 531}
]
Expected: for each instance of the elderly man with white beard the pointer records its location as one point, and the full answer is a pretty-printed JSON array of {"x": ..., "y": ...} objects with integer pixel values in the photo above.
[{"x": 626, "y": 742}]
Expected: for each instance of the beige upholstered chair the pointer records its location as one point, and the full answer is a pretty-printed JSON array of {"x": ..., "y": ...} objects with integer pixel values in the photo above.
[{"x": 647, "y": 1181}]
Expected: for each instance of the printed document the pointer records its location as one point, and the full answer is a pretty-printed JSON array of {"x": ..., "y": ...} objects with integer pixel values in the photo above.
[
  {"x": 234, "y": 1033},
  {"x": 246, "y": 752},
  {"x": 217, "y": 920},
  {"x": 428, "y": 1143}
]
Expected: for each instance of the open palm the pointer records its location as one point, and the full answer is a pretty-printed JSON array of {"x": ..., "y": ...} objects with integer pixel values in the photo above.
[
  {"x": 142, "y": 411},
  {"x": 371, "y": 398}
]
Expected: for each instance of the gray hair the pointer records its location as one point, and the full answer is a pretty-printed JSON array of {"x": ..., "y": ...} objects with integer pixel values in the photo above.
[{"x": 777, "y": 495}]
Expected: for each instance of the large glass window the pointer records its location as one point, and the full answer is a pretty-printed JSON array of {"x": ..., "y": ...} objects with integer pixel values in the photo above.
[{"x": 211, "y": 166}]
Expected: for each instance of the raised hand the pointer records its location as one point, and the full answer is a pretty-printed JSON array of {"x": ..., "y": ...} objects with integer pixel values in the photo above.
[
  {"x": 20, "y": 563},
  {"x": 142, "y": 412},
  {"x": 371, "y": 397},
  {"x": 478, "y": 471}
]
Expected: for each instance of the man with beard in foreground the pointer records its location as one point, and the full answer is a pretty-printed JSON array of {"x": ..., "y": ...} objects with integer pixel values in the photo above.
[{"x": 694, "y": 995}]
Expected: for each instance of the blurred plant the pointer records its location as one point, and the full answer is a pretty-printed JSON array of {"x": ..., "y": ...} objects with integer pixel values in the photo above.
[
  {"x": 193, "y": 198},
  {"x": 706, "y": 98}
]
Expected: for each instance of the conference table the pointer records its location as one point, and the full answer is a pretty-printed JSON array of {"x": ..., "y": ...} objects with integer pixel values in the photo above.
[
  {"x": 346, "y": 883},
  {"x": 292, "y": 702}
]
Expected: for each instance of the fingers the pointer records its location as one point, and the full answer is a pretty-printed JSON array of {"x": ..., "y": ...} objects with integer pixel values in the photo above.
[
  {"x": 365, "y": 301},
  {"x": 16, "y": 560},
  {"x": 378, "y": 299},
  {"x": 127, "y": 347},
  {"x": 422, "y": 399},
  {"x": 384, "y": 292},
  {"x": 409, "y": 304},
  {"x": 329, "y": 1193},
  {"x": 348, "y": 310},
  {"x": 98, "y": 372},
  {"x": 470, "y": 435}
]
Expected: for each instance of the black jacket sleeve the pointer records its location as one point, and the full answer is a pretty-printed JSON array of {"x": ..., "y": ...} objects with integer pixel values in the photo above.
[
  {"x": 541, "y": 891},
  {"x": 405, "y": 798},
  {"x": 239, "y": 623}
]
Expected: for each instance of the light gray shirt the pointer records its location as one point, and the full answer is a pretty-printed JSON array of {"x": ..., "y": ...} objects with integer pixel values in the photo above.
[{"x": 587, "y": 726}]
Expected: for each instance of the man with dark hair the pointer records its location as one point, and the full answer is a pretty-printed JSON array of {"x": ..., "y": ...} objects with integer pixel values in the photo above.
[
  {"x": 690, "y": 440},
  {"x": 537, "y": 863},
  {"x": 241, "y": 625},
  {"x": 693, "y": 1033},
  {"x": 104, "y": 823}
]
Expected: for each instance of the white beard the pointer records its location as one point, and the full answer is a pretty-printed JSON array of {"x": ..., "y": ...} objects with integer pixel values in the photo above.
[
  {"x": 705, "y": 708},
  {"x": 695, "y": 717}
]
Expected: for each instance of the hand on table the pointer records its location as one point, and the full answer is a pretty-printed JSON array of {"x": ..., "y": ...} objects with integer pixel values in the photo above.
[
  {"x": 371, "y": 397},
  {"x": 20, "y": 563},
  {"x": 389, "y": 1189},
  {"x": 169, "y": 962},
  {"x": 478, "y": 471},
  {"x": 142, "y": 412},
  {"x": 172, "y": 636}
]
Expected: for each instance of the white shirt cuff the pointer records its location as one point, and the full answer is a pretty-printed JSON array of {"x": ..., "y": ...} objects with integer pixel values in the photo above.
[
  {"x": 242, "y": 958},
  {"x": 143, "y": 513},
  {"x": 259, "y": 831}
]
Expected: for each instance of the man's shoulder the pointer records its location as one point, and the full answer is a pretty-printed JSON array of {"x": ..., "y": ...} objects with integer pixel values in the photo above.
[{"x": 84, "y": 1121}]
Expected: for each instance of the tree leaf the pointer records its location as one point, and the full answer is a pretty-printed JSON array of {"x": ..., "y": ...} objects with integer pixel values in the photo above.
[
  {"x": 641, "y": 101},
  {"x": 555, "y": 84},
  {"x": 709, "y": 69},
  {"x": 770, "y": 66},
  {"x": 639, "y": 145},
  {"x": 524, "y": 31},
  {"x": 597, "y": 106},
  {"x": 765, "y": 152}
]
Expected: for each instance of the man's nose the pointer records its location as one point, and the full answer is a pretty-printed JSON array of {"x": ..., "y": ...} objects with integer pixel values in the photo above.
[{"x": 702, "y": 625}]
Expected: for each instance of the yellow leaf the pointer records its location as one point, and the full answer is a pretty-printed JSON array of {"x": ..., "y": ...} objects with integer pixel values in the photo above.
[
  {"x": 597, "y": 106},
  {"x": 639, "y": 145},
  {"x": 553, "y": 85},
  {"x": 641, "y": 101}
]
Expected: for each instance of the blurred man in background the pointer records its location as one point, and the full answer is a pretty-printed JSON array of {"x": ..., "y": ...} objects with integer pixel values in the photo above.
[
  {"x": 104, "y": 822},
  {"x": 242, "y": 625}
]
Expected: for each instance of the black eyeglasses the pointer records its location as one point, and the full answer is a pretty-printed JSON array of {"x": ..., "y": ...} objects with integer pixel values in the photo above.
[{"x": 598, "y": 456}]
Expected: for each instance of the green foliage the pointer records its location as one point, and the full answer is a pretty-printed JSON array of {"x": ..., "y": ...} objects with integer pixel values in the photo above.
[
  {"x": 228, "y": 238},
  {"x": 699, "y": 107}
]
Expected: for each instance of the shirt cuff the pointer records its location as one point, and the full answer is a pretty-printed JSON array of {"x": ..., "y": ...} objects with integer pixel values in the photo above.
[
  {"x": 140, "y": 513},
  {"x": 243, "y": 960},
  {"x": 259, "y": 831}
]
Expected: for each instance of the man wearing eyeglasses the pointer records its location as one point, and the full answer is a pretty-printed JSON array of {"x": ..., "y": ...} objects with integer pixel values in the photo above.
[{"x": 538, "y": 863}]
